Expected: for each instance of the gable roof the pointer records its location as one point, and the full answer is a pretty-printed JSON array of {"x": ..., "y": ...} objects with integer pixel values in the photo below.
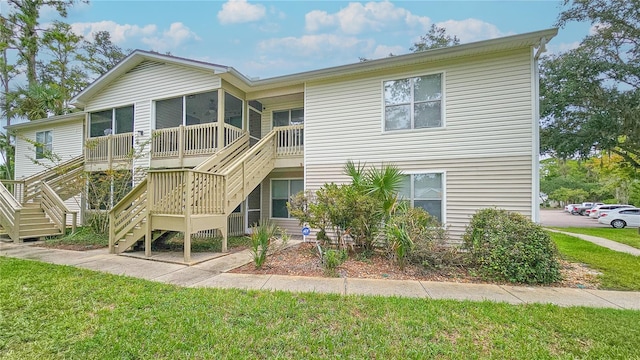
[{"x": 532, "y": 39}]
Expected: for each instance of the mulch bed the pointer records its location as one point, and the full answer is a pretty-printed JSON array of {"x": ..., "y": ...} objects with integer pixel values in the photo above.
[{"x": 303, "y": 260}]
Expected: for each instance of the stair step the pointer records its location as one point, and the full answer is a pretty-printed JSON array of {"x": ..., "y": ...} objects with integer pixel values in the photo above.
[{"x": 26, "y": 234}]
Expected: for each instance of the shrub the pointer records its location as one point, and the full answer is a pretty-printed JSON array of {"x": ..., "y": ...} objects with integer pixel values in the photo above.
[
  {"x": 429, "y": 239},
  {"x": 509, "y": 246},
  {"x": 331, "y": 259},
  {"x": 261, "y": 237}
]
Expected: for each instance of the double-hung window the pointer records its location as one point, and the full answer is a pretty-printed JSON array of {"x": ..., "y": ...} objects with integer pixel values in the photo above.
[
  {"x": 112, "y": 121},
  {"x": 281, "y": 192},
  {"x": 44, "y": 144},
  {"x": 425, "y": 191},
  {"x": 413, "y": 103},
  {"x": 288, "y": 117}
]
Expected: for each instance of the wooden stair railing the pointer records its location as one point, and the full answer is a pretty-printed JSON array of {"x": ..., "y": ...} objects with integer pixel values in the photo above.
[
  {"x": 55, "y": 208},
  {"x": 32, "y": 183},
  {"x": 128, "y": 216},
  {"x": 9, "y": 213}
]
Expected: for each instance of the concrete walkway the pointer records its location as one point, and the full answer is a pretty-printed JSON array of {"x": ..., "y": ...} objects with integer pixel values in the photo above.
[
  {"x": 610, "y": 244},
  {"x": 214, "y": 273}
]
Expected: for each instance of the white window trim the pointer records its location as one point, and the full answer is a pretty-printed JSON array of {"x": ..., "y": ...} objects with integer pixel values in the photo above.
[
  {"x": 444, "y": 188},
  {"x": 289, "y": 110},
  {"x": 271, "y": 195},
  {"x": 443, "y": 98},
  {"x": 184, "y": 104},
  {"x": 45, "y": 148},
  {"x": 113, "y": 118}
]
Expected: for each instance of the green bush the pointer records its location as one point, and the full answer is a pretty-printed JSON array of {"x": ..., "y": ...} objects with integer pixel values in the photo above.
[
  {"x": 331, "y": 259},
  {"x": 509, "y": 246},
  {"x": 261, "y": 238}
]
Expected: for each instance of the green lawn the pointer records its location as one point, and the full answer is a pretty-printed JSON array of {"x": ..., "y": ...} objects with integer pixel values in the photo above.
[
  {"x": 57, "y": 312},
  {"x": 619, "y": 270},
  {"x": 83, "y": 237},
  {"x": 627, "y": 236}
]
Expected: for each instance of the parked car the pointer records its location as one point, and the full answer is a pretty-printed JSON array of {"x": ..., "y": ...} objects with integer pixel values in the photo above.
[
  {"x": 595, "y": 206},
  {"x": 569, "y": 208},
  {"x": 605, "y": 209},
  {"x": 582, "y": 208},
  {"x": 621, "y": 217}
]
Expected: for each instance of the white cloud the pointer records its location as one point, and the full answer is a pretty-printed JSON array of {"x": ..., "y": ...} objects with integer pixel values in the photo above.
[
  {"x": 382, "y": 51},
  {"x": 119, "y": 32},
  {"x": 471, "y": 29},
  {"x": 240, "y": 11},
  {"x": 323, "y": 45},
  {"x": 176, "y": 35},
  {"x": 562, "y": 47},
  {"x": 356, "y": 18}
]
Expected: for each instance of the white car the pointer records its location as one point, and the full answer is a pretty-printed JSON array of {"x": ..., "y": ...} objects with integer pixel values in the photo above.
[
  {"x": 605, "y": 209},
  {"x": 569, "y": 208},
  {"x": 621, "y": 217}
]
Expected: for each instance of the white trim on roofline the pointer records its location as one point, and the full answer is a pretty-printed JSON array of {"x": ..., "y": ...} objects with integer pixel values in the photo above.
[{"x": 244, "y": 83}]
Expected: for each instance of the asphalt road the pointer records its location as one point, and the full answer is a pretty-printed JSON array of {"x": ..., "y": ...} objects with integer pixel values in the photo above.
[{"x": 563, "y": 219}]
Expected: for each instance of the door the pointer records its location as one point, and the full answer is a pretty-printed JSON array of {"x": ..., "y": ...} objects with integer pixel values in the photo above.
[
  {"x": 253, "y": 213},
  {"x": 255, "y": 126}
]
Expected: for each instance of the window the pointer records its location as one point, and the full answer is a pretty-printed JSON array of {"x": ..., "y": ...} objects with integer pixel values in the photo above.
[
  {"x": 413, "y": 103},
  {"x": 425, "y": 191},
  {"x": 281, "y": 192},
  {"x": 288, "y": 117},
  {"x": 44, "y": 144},
  {"x": 112, "y": 121},
  {"x": 187, "y": 110}
]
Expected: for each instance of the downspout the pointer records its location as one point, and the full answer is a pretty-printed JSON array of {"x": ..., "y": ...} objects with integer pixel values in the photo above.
[{"x": 535, "y": 206}]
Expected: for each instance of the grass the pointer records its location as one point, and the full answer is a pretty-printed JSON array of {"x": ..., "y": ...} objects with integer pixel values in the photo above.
[
  {"x": 620, "y": 271},
  {"x": 202, "y": 244},
  {"x": 84, "y": 237},
  {"x": 627, "y": 236},
  {"x": 56, "y": 312}
]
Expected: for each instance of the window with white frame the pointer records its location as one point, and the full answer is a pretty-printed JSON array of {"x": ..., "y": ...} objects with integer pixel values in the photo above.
[
  {"x": 413, "y": 103},
  {"x": 425, "y": 191},
  {"x": 281, "y": 192},
  {"x": 112, "y": 121},
  {"x": 44, "y": 144},
  {"x": 288, "y": 117}
]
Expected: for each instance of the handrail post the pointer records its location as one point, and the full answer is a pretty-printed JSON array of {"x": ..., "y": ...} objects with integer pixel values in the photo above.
[
  {"x": 181, "y": 143},
  {"x": 110, "y": 150},
  {"x": 187, "y": 216},
  {"x": 112, "y": 232},
  {"x": 16, "y": 227}
]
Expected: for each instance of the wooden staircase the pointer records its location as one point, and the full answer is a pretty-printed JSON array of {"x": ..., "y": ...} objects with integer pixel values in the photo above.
[
  {"x": 34, "y": 223},
  {"x": 35, "y": 207},
  {"x": 202, "y": 198}
]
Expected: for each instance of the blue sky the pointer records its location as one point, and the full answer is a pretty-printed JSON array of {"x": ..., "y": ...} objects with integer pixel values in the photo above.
[{"x": 270, "y": 38}]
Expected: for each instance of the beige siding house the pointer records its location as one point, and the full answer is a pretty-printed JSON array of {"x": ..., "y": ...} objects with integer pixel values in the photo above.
[{"x": 217, "y": 150}]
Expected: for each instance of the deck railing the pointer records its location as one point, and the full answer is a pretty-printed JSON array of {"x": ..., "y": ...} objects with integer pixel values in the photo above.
[
  {"x": 31, "y": 187},
  {"x": 15, "y": 187},
  {"x": 109, "y": 148},
  {"x": 176, "y": 192},
  {"x": 191, "y": 140},
  {"x": 289, "y": 140}
]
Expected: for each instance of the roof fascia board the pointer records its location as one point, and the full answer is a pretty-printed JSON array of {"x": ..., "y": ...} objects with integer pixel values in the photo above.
[{"x": 51, "y": 120}]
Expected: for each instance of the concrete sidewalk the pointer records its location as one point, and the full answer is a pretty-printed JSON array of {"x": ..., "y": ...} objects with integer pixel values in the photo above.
[
  {"x": 610, "y": 244},
  {"x": 214, "y": 273}
]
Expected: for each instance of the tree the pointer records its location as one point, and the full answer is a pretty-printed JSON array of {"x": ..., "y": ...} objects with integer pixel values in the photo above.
[
  {"x": 590, "y": 96},
  {"x": 436, "y": 37},
  {"x": 100, "y": 55},
  {"x": 23, "y": 19},
  {"x": 7, "y": 71},
  {"x": 39, "y": 100},
  {"x": 62, "y": 45}
]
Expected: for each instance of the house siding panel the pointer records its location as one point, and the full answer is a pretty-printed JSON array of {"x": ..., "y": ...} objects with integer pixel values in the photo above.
[{"x": 487, "y": 138}]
